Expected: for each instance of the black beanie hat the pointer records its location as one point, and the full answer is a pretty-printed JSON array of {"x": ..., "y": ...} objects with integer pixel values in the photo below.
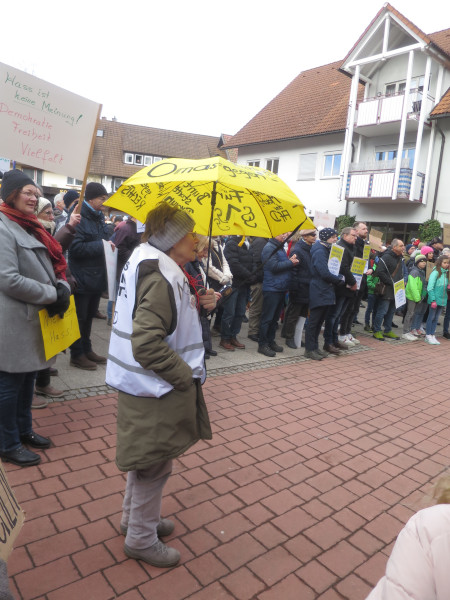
[
  {"x": 326, "y": 233},
  {"x": 69, "y": 197},
  {"x": 94, "y": 190},
  {"x": 14, "y": 180}
]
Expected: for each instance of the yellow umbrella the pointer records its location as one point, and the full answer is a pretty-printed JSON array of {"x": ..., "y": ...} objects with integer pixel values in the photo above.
[{"x": 223, "y": 198}]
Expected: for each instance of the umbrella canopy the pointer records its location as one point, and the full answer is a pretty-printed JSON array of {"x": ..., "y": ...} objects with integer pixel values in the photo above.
[{"x": 223, "y": 198}]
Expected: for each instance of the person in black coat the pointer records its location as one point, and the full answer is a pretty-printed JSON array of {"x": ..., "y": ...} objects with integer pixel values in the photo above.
[
  {"x": 87, "y": 265},
  {"x": 256, "y": 296},
  {"x": 299, "y": 289},
  {"x": 345, "y": 295},
  {"x": 321, "y": 292},
  {"x": 389, "y": 270},
  {"x": 240, "y": 261}
]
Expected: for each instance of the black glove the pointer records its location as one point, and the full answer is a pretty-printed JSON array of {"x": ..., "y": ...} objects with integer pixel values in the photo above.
[
  {"x": 62, "y": 302},
  {"x": 341, "y": 283}
]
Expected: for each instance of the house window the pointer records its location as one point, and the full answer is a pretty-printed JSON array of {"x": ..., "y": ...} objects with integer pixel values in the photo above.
[
  {"x": 307, "y": 166},
  {"x": 332, "y": 165},
  {"x": 272, "y": 165},
  {"x": 73, "y": 181},
  {"x": 156, "y": 158},
  {"x": 254, "y": 163},
  {"x": 408, "y": 153},
  {"x": 148, "y": 160},
  {"x": 138, "y": 159},
  {"x": 129, "y": 158},
  {"x": 100, "y": 133},
  {"x": 116, "y": 183}
]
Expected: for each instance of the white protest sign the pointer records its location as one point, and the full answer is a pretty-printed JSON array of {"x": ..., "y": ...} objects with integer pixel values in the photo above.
[
  {"x": 111, "y": 269},
  {"x": 335, "y": 259},
  {"x": 324, "y": 219},
  {"x": 399, "y": 293},
  {"x": 45, "y": 126}
]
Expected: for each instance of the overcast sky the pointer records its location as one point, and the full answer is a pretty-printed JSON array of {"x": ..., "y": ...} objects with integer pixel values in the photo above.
[{"x": 200, "y": 66}]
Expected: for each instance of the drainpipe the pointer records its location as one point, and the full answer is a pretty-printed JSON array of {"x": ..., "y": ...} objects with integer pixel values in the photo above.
[
  {"x": 351, "y": 160},
  {"x": 438, "y": 175}
]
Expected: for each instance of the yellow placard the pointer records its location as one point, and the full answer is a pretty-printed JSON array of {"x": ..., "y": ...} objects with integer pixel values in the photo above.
[
  {"x": 58, "y": 334},
  {"x": 358, "y": 266},
  {"x": 366, "y": 252},
  {"x": 11, "y": 516},
  {"x": 335, "y": 259}
]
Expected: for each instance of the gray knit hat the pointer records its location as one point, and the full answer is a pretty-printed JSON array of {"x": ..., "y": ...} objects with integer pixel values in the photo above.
[{"x": 174, "y": 231}]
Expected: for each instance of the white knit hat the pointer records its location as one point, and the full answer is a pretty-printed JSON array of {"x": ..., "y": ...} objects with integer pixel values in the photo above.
[{"x": 174, "y": 231}]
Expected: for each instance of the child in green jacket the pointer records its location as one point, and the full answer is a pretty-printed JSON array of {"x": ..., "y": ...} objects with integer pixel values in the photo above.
[{"x": 416, "y": 292}]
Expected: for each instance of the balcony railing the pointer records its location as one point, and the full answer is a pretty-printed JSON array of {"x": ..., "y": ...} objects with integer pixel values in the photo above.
[
  {"x": 385, "y": 109},
  {"x": 371, "y": 183}
]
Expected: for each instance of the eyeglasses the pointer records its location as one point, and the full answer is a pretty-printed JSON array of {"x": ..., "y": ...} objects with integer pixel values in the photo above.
[
  {"x": 30, "y": 194},
  {"x": 311, "y": 234}
]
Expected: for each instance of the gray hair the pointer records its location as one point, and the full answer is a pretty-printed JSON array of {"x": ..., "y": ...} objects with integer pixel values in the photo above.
[{"x": 347, "y": 230}]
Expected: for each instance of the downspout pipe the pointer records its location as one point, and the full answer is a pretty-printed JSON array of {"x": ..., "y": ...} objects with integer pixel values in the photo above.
[
  {"x": 347, "y": 202},
  {"x": 438, "y": 175}
]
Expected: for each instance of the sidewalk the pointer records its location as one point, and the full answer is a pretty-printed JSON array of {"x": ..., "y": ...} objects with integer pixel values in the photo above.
[{"x": 313, "y": 469}]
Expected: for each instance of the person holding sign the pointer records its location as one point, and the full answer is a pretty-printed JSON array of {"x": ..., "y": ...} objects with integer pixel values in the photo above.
[
  {"x": 32, "y": 277},
  {"x": 389, "y": 271}
]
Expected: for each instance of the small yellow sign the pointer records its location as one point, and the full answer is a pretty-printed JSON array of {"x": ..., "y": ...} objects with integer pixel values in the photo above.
[
  {"x": 358, "y": 266},
  {"x": 366, "y": 252},
  {"x": 58, "y": 334}
]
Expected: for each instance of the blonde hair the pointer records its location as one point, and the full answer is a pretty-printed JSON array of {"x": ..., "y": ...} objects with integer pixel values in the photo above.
[
  {"x": 441, "y": 492},
  {"x": 203, "y": 242}
]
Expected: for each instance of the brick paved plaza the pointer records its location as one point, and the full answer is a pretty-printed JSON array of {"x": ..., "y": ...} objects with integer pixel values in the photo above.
[{"x": 313, "y": 469}]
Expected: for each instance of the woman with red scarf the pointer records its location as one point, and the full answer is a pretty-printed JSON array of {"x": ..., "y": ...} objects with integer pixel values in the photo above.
[{"x": 32, "y": 276}]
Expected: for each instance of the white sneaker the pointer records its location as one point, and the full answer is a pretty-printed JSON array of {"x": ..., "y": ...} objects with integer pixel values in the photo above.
[
  {"x": 435, "y": 340},
  {"x": 344, "y": 339},
  {"x": 414, "y": 332},
  {"x": 409, "y": 336},
  {"x": 353, "y": 339},
  {"x": 422, "y": 331},
  {"x": 430, "y": 339}
]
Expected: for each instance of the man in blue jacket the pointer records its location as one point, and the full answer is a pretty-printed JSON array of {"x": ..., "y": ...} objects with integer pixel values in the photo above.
[
  {"x": 87, "y": 265},
  {"x": 277, "y": 274}
]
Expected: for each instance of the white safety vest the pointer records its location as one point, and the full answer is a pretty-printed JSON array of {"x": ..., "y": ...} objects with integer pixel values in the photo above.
[{"x": 123, "y": 372}]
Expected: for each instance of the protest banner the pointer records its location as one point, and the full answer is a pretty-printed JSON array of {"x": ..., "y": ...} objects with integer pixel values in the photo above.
[
  {"x": 324, "y": 219},
  {"x": 58, "y": 334},
  {"x": 375, "y": 239},
  {"x": 335, "y": 259},
  {"x": 111, "y": 269},
  {"x": 11, "y": 516},
  {"x": 399, "y": 293},
  {"x": 446, "y": 235},
  {"x": 45, "y": 126}
]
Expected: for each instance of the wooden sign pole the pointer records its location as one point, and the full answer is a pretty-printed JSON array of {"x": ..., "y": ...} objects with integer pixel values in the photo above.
[{"x": 77, "y": 209}]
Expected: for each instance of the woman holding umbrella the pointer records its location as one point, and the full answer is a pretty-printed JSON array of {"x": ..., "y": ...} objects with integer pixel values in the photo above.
[{"x": 156, "y": 361}]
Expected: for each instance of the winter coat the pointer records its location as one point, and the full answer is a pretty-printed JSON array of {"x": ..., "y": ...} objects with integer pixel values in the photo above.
[
  {"x": 277, "y": 268},
  {"x": 416, "y": 288},
  {"x": 27, "y": 284},
  {"x": 418, "y": 566},
  {"x": 437, "y": 287},
  {"x": 301, "y": 273},
  {"x": 152, "y": 430},
  {"x": 321, "y": 288},
  {"x": 240, "y": 261},
  {"x": 256, "y": 248},
  {"x": 346, "y": 264},
  {"x": 86, "y": 254},
  {"x": 386, "y": 266},
  {"x": 219, "y": 273}
]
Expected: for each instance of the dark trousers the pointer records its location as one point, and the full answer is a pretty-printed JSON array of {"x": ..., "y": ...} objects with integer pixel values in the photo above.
[
  {"x": 333, "y": 319},
  {"x": 314, "y": 325},
  {"x": 272, "y": 306},
  {"x": 16, "y": 396},
  {"x": 349, "y": 315},
  {"x": 87, "y": 306},
  {"x": 292, "y": 313},
  {"x": 384, "y": 314},
  {"x": 43, "y": 378},
  {"x": 372, "y": 305},
  {"x": 233, "y": 313}
]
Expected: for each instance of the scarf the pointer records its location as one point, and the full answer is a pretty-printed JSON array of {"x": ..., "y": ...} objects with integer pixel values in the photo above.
[{"x": 34, "y": 228}]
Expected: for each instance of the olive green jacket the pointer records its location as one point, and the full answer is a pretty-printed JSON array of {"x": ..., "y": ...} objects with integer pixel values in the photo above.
[{"x": 152, "y": 430}]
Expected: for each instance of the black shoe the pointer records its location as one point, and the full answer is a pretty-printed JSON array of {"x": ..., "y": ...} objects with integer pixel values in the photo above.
[
  {"x": 446, "y": 334},
  {"x": 21, "y": 457},
  {"x": 394, "y": 325},
  {"x": 211, "y": 352},
  {"x": 356, "y": 322},
  {"x": 266, "y": 351},
  {"x": 253, "y": 337},
  {"x": 35, "y": 440},
  {"x": 275, "y": 347},
  {"x": 245, "y": 319},
  {"x": 291, "y": 344}
]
